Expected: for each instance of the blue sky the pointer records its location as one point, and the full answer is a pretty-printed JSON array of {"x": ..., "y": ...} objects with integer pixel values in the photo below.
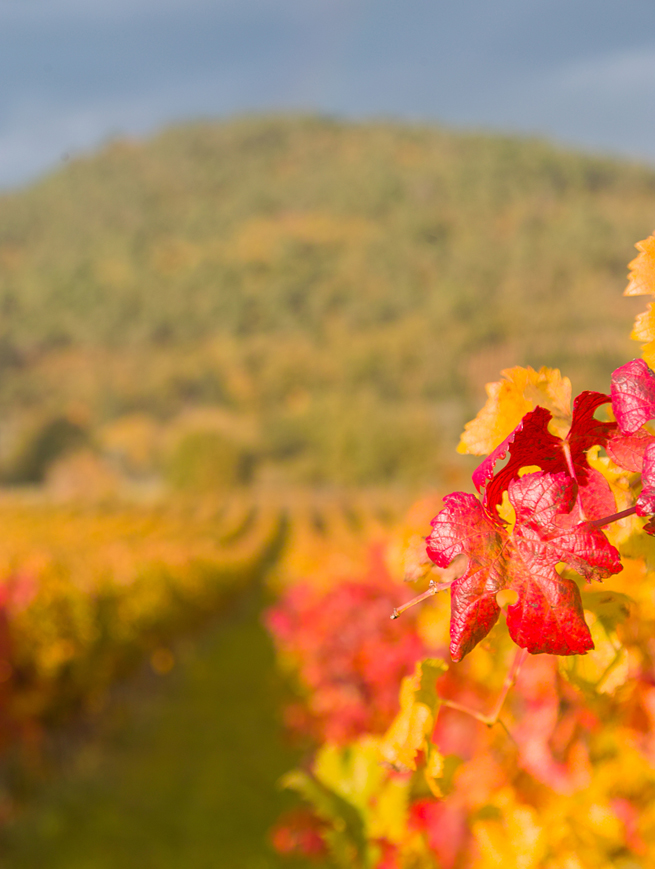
[{"x": 75, "y": 73}]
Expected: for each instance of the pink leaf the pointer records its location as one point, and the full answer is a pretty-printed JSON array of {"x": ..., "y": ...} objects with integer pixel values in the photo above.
[
  {"x": 596, "y": 497},
  {"x": 646, "y": 501},
  {"x": 463, "y": 527},
  {"x": 627, "y": 451},
  {"x": 633, "y": 395},
  {"x": 548, "y": 615}
]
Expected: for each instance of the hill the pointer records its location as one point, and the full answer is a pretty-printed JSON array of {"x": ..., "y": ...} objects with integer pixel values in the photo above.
[{"x": 300, "y": 299}]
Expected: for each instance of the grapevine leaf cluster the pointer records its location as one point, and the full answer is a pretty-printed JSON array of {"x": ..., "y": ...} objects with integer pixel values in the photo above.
[
  {"x": 547, "y": 617},
  {"x": 556, "y": 516},
  {"x": 504, "y": 757}
]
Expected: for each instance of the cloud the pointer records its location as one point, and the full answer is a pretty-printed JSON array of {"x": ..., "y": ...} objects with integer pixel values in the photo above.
[
  {"x": 46, "y": 12},
  {"x": 613, "y": 75},
  {"x": 75, "y": 72},
  {"x": 604, "y": 102},
  {"x": 38, "y": 132},
  {"x": 69, "y": 88}
]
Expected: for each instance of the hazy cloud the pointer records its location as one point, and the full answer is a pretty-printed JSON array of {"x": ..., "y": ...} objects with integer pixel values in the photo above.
[{"x": 74, "y": 72}]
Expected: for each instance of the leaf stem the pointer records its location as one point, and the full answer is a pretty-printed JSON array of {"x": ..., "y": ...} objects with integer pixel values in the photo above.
[
  {"x": 433, "y": 589},
  {"x": 510, "y": 679},
  {"x": 569, "y": 461},
  {"x": 494, "y": 716},
  {"x": 606, "y": 520}
]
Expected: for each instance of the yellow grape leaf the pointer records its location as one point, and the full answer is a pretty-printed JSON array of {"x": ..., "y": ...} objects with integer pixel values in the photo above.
[
  {"x": 607, "y": 666},
  {"x": 641, "y": 280},
  {"x": 648, "y": 353},
  {"x": 521, "y": 390},
  {"x": 416, "y": 562},
  {"x": 413, "y": 725},
  {"x": 433, "y": 622},
  {"x": 388, "y": 815},
  {"x": 434, "y": 769},
  {"x": 644, "y": 330},
  {"x": 352, "y": 771},
  {"x": 515, "y": 839},
  {"x": 408, "y": 731}
]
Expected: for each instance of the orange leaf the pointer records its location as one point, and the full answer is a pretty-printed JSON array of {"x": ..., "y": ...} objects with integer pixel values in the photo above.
[
  {"x": 641, "y": 280},
  {"x": 521, "y": 390},
  {"x": 644, "y": 328}
]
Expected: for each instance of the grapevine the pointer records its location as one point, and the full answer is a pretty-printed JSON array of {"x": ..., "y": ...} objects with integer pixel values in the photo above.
[{"x": 541, "y": 756}]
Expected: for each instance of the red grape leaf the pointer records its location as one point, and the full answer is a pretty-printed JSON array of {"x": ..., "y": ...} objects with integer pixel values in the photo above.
[
  {"x": 532, "y": 444},
  {"x": 627, "y": 451},
  {"x": 633, "y": 395},
  {"x": 547, "y": 616},
  {"x": 633, "y": 402},
  {"x": 596, "y": 498},
  {"x": 587, "y": 431},
  {"x": 464, "y": 528},
  {"x": 646, "y": 500},
  {"x": 530, "y": 438}
]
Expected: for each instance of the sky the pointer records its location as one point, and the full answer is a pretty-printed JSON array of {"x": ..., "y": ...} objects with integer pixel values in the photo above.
[{"x": 77, "y": 73}]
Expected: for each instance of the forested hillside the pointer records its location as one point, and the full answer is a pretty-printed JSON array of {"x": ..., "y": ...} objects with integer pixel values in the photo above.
[{"x": 299, "y": 300}]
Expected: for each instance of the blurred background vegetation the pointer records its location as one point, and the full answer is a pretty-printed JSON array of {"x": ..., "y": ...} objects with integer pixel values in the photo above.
[
  {"x": 235, "y": 353},
  {"x": 299, "y": 300}
]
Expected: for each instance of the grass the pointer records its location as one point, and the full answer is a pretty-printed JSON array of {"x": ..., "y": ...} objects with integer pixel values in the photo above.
[{"x": 181, "y": 773}]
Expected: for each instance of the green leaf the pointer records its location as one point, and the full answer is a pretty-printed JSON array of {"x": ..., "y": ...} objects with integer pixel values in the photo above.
[
  {"x": 611, "y": 608},
  {"x": 431, "y": 670},
  {"x": 347, "y": 836}
]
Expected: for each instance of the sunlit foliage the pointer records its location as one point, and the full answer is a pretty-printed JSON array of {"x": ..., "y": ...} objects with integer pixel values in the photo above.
[
  {"x": 87, "y": 594},
  {"x": 504, "y": 758}
]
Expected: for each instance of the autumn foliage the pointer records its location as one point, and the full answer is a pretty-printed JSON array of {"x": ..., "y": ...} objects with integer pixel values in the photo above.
[
  {"x": 348, "y": 669},
  {"x": 541, "y": 756},
  {"x": 87, "y": 595}
]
